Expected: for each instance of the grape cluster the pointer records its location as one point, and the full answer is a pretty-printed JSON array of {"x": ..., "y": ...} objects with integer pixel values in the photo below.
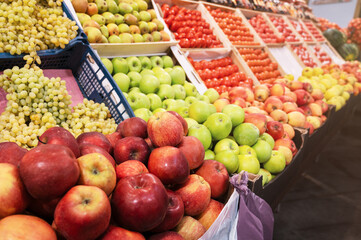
[
  {"x": 36, "y": 103},
  {"x": 27, "y": 26}
]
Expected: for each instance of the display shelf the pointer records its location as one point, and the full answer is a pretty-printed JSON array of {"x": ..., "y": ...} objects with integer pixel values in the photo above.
[
  {"x": 284, "y": 28},
  {"x": 336, "y": 58},
  {"x": 307, "y": 58},
  {"x": 320, "y": 53},
  {"x": 316, "y": 33},
  {"x": 301, "y": 29}
]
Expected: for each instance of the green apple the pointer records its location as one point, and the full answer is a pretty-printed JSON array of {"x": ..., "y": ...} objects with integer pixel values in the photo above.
[
  {"x": 126, "y": 38},
  {"x": 167, "y": 62},
  {"x": 202, "y": 133},
  {"x": 199, "y": 111},
  {"x": 190, "y": 89},
  {"x": 105, "y": 31},
  {"x": 235, "y": 112},
  {"x": 125, "y": 95},
  {"x": 114, "y": 39},
  {"x": 120, "y": 65},
  {"x": 146, "y": 72},
  {"x": 178, "y": 75},
  {"x": 268, "y": 138},
  {"x": 209, "y": 155},
  {"x": 212, "y": 94},
  {"x": 146, "y": 63},
  {"x": 163, "y": 77},
  {"x": 231, "y": 137},
  {"x": 135, "y": 78},
  {"x": 190, "y": 122},
  {"x": 123, "y": 28},
  {"x": 137, "y": 38},
  {"x": 138, "y": 100},
  {"x": 159, "y": 110},
  {"x": 245, "y": 149},
  {"x": 144, "y": 28},
  {"x": 134, "y": 64},
  {"x": 122, "y": 81},
  {"x": 248, "y": 163},
  {"x": 125, "y": 8},
  {"x": 263, "y": 150},
  {"x": 108, "y": 64},
  {"x": 109, "y": 17},
  {"x": 156, "y": 61},
  {"x": 246, "y": 134},
  {"x": 276, "y": 163},
  {"x": 112, "y": 6},
  {"x": 179, "y": 91},
  {"x": 183, "y": 111},
  {"x": 134, "y": 6},
  {"x": 165, "y": 92},
  {"x": 98, "y": 18},
  {"x": 226, "y": 144},
  {"x": 229, "y": 160},
  {"x": 143, "y": 113},
  {"x": 219, "y": 124},
  {"x": 190, "y": 99},
  {"x": 203, "y": 98},
  {"x": 149, "y": 84},
  {"x": 212, "y": 108},
  {"x": 119, "y": 19},
  {"x": 169, "y": 104},
  {"x": 145, "y": 16},
  {"x": 155, "y": 101},
  {"x": 85, "y": 17},
  {"x": 134, "y": 89},
  {"x": 266, "y": 176}
]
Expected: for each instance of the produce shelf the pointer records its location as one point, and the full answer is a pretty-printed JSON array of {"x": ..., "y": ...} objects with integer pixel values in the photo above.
[
  {"x": 282, "y": 26},
  {"x": 306, "y": 57},
  {"x": 301, "y": 29},
  {"x": 316, "y": 33}
]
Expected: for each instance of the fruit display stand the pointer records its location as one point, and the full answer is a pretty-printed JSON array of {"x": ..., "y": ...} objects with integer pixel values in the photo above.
[
  {"x": 319, "y": 53},
  {"x": 302, "y": 31},
  {"x": 316, "y": 33},
  {"x": 335, "y": 56},
  {"x": 304, "y": 56}
]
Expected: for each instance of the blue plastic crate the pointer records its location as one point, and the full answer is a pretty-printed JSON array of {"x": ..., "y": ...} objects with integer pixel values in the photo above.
[
  {"x": 80, "y": 37},
  {"x": 92, "y": 77}
]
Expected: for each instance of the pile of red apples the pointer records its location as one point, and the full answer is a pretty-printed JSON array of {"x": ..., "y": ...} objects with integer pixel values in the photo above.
[{"x": 146, "y": 180}]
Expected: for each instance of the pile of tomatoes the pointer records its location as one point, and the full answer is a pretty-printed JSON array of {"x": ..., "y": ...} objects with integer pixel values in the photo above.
[
  {"x": 189, "y": 28},
  {"x": 313, "y": 30},
  {"x": 264, "y": 30},
  {"x": 237, "y": 32},
  {"x": 284, "y": 29},
  {"x": 304, "y": 55},
  {"x": 354, "y": 30},
  {"x": 265, "y": 70},
  {"x": 221, "y": 74},
  {"x": 301, "y": 31},
  {"x": 321, "y": 55}
]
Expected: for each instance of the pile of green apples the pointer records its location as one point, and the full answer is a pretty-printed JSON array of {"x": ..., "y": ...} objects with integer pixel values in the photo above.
[{"x": 119, "y": 21}]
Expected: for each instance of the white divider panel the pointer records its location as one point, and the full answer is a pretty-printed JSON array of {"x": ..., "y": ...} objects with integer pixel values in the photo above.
[{"x": 287, "y": 61}]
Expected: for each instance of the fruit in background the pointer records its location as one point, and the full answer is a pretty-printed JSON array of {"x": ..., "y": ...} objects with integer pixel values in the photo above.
[
  {"x": 268, "y": 138},
  {"x": 140, "y": 202},
  {"x": 109, "y": 17},
  {"x": 315, "y": 121},
  {"x": 266, "y": 176},
  {"x": 13, "y": 196},
  {"x": 123, "y": 28},
  {"x": 95, "y": 138},
  {"x": 261, "y": 92},
  {"x": 245, "y": 149},
  {"x": 164, "y": 129},
  {"x": 288, "y": 107},
  {"x": 276, "y": 163},
  {"x": 296, "y": 119},
  {"x": 220, "y": 104},
  {"x": 179, "y": 91},
  {"x": 287, "y": 153},
  {"x": 219, "y": 124},
  {"x": 157, "y": 36},
  {"x": 178, "y": 75},
  {"x": 114, "y": 39},
  {"x": 190, "y": 228},
  {"x": 134, "y": 78},
  {"x": 165, "y": 36},
  {"x": 167, "y": 62},
  {"x": 275, "y": 129},
  {"x": 169, "y": 164},
  {"x": 138, "y": 100},
  {"x": 258, "y": 120},
  {"x": 277, "y": 90},
  {"x": 212, "y": 95},
  {"x": 210, "y": 214},
  {"x": 199, "y": 111},
  {"x": 174, "y": 215},
  {"x": 119, "y": 19},
  {"x": 203, "y": 98},
  {"x": 248, "y": 163},
  {"x": 193, "y": 150},
  {"x": 123, "y": 81},
  {"x": 130, "y": 168},
  {"x": 286, "y": 143},
  {"x": 169, "y": 235},
  {"x": 226, "y": 144},
  {"x": 190, "y": 89},
  {"x": 134, "y": 64},
  {"x": 166, "y": 92},
  {"x": 12, "y": 153},
  {"x": 195, "y": 193},
  {"x": 83, "y": 212},
  {"x": 289, "y": 129},
  {"x": 102, "y": 5},
  {"x": 155, "y": 101},
  {"x": 126, "y": 38},
  {"x": 152, "y": 27},
  {"x": 94, "y": 34},
  {"x": 114, "y": 232},
  {"x": 120, "y": 65},
  {"x": 146, "y": 63},
  {"x": 280, "y": 116},
  {"x": 229, "y": 159},
  {"x": 209, "y": 154},
  {"x": 48, "y": 171},
  {"x": 80, "y": 6},
  {"x": 316, "y": 109},
  {"x": 182, "y": 120},
  {"x": 202, "y": 133},
  {"x": 156, "y": 61},
  {"x": 90, "y": 148},
  {"x": 236, "y": 113},
  {"x": 25, "y": 227},
  {"x": 272, "y": 103},
  {"x": 246, "y": 134},
  {"x": 108, "y": 64},
  {"x": 131, "y": 148},
  {"x": 138, "y": 38},
  {"x": 149, "y": 84},
  {"x": 98, "y": 18},
  {"x": 263, "y": 150}
]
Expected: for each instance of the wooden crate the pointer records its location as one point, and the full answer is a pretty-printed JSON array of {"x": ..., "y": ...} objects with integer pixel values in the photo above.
[
  {"x": 312, "y": 56},
  {"x": 305, "y": 22},
  {"x": 300, "y": 25}
]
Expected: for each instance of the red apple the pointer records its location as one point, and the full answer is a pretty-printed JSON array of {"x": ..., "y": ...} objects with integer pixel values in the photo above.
[
  {"x": 181, "y": 119},
  {"x": 292, "y": 95},
  {"x": 83, "y": 213},
  {"x": 166, "y": 236},
  {"x": 257, "y": 119},
  {"x": 250, "y": 95},
  {"x": 215, "y": 173},
  {"x": 261, "y": 92},
  {"x": 307, "y": 87},
  {"x": 324, "y": 106},
  {"x": 130, "y": 168},
  {"x": 131, "y": 148},
  {"x": 317, "y": 94},
  {"x": 115, "y": 233},
  {"x": 306, "y": 109},
  {"x": 272, "y": 103},
  {"x": 48, "y": 171},
  {"x": 120, "y": 127},
  {"x": 140, "y": 202},
  {"x": 10, "y": 152},
  {"x": 113, "y": 138},
  {"x": 193, "y": 150},
  {"x": 208, "y": 216},
  {"x": 237, "y": 92},
  {"x": 13, "y": 196},
  {"x": 289, "y": 129},
  {"x": 44, "y": 209},
  {"x": 89, "y": 148},
  {"x": 275, "y": 129},
  {"x": 286, "y": 98},
  {"x": 25, "y": 227},
  {"x": 196, "y": 194},
  {"x": 277, "y": 89},
  {"x": 95, "y": 138},
  {"x": 294, "y": 85},
  {"x": 286, "y": 143},
  {"x": 60, "y": 136},
  {"x": 169, "y": 164},
  {"x": 174, "y": 213},
  {"x": 289, "y": 107},
  {"x": 150, "y": 144},
  {"x": 279, "y": 115},
  {"x": 310, "y": 127},
  {"x": 303, "y": 97},
  {"x": 164, "y": 129},
  {"x": 190, "y": 228},
  {"x": 258, "y": 104},
  {"x": 134, "y": 127},
  {"x": 239, "y": 102}
]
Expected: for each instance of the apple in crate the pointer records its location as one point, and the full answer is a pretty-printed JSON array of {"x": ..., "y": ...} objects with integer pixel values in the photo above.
[
  {"x": 114, "y": 232},
  {"x": 83, "y": 213},
  {"x": 286, "y": 143},
  {"x": 48, "y": 171},
  {"x": 89, "y": 148},
  {"x": 95, "y": 138},
  {"x": 193, "y": 150},
  {"x": 131, "y": 148},
  {"x": 296, "y": 119},
  {"x": 182, "y": 120},
  {"x": 208, "y": 216},
  {"x": 60, "y": 136},
  {"x": 43, "y": 208},
  {"x": 134, "y": 127},
  {"x": 275, "y": 129},
  {"x": 140, "y": 202},
  {"x": 272, "y": 103},
  {"x": 166, "y": 236},
  {"x": 190, "y": 228},
  {"x": 257, "y": 119},
  {"x": 130, "y": 168},
  {"x": 25, "y": 227},
  {"x": 13, "y": 196},
  {"x": 12, "y": 153}
]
